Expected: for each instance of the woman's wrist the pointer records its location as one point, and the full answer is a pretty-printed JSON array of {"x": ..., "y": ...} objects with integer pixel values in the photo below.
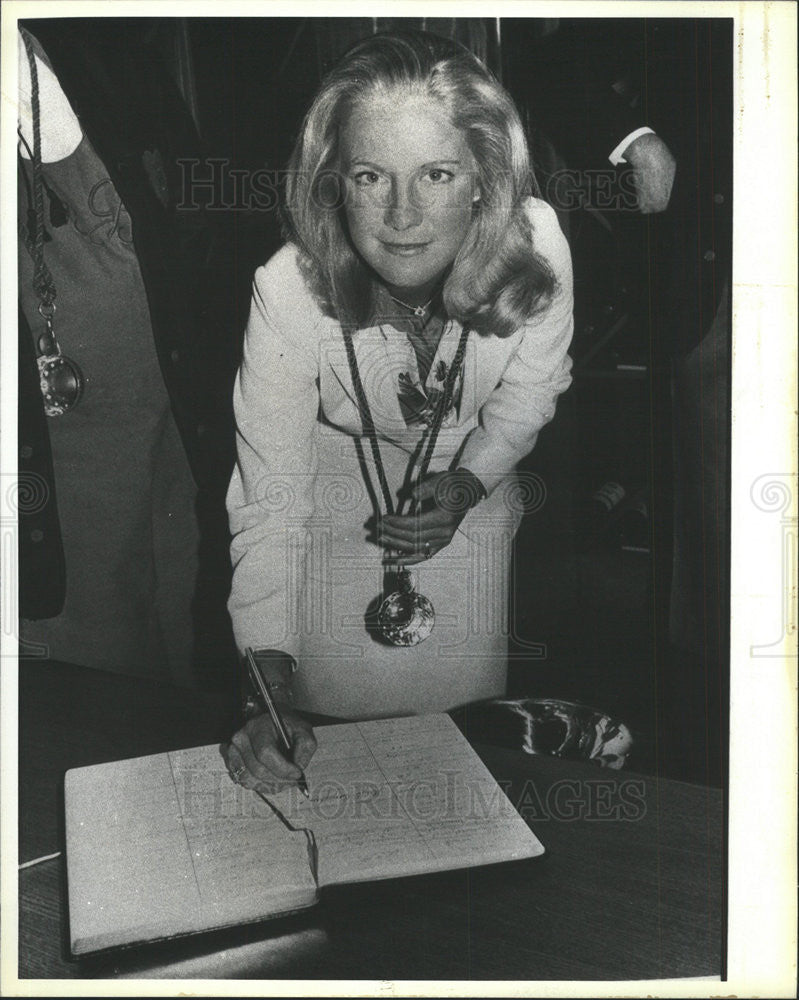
[
  {"x": 276, "y": 668},
  {"x": 471, "y": 486}
]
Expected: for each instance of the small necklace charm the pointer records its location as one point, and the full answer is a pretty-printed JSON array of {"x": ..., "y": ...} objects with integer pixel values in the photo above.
[
  {"x": 419, "y": 311},
  {"x": 406, "y": 617}
]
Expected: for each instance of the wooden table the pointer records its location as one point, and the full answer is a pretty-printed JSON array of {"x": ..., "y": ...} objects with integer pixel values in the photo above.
[{"x": 630, "y": 886}]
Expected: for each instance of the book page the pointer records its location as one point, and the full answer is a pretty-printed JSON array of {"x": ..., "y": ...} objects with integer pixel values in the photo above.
[
  {"x": 400, "y": 797},
  {"x": 168, "y": 844}
]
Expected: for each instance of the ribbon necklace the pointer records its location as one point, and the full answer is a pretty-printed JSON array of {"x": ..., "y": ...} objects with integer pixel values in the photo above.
[{"x": 405, "y": 617}]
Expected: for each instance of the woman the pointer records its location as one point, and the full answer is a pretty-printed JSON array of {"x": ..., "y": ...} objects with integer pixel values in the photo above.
[{"x": 422, "y": 294}]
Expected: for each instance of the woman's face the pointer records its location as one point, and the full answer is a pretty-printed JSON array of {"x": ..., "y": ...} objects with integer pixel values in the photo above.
[{"x": 410, "y": 186}]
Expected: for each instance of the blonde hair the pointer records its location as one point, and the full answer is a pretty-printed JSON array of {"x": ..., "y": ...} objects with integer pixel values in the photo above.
[{"x": 497, "y": 280}]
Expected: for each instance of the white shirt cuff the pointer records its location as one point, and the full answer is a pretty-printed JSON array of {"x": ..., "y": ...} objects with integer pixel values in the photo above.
[{"x": 617, "y": 156}]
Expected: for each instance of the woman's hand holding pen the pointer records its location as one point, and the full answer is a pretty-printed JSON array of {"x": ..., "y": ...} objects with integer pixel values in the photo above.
[
  {"x": 273, "y": 748},
  {"x": 442, "y": 501},
  {"x": 254, "y": 756}
]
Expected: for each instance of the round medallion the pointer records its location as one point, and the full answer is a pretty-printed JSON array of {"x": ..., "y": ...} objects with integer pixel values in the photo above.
[
  {"x": 61, "y": 382},
  {"x": 406, "y": 618}
]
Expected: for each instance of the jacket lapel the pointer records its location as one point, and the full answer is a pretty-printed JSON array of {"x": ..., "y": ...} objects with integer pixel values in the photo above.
[
  {"x": 379, "y": 362},
  {"x": 382, "y": 357}
]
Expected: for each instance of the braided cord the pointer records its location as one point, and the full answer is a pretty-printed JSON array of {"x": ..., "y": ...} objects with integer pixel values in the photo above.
[{"x": 43, "y": 283}]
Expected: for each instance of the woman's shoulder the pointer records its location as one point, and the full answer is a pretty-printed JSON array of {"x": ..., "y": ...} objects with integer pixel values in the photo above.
[
  {"x": 282, "y": 283},
  {"x": 548, "y": 238},
  {"x": 540, "y": 211}
]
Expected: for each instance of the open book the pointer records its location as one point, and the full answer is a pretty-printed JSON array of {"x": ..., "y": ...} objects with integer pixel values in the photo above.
[{"x": 166, "y": 845}]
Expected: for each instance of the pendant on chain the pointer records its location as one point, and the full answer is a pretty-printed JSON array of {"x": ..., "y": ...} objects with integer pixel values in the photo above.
[
  {"x": 406, "y": 617},
  {"x": 61, "y": 380}
]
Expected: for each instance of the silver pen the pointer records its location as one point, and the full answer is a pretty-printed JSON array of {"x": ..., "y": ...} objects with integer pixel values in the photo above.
[{"x": 271, "y": 707}]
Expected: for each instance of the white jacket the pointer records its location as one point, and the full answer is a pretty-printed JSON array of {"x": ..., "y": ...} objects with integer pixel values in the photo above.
[{"x": 294, "y": 395}]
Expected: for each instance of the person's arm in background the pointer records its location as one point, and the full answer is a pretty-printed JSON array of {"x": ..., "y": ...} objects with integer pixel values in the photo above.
[
  {"x": 653, "y": 168},
  {"x": 578, "y": 82}
]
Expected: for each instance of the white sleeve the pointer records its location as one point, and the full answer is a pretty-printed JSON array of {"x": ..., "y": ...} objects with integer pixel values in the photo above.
[
  {"x": 59, "y": 126},
  {"x": 617, "y": 156},
  {"x": 270, "y": 496},
  {"x": 536, "y": 374}
]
